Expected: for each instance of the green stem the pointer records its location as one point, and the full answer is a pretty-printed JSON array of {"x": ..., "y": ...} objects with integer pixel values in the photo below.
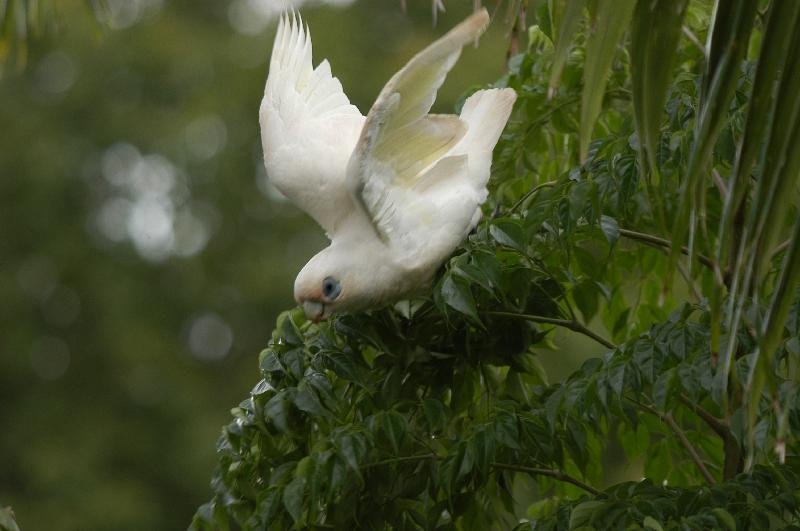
[
  {"x": 402, "y": 459},
  {"x": 717, "y": 425},
  {"x": 533, "y": 191},
  {"x": 656, "y": 241},
  {"x": 573, "y": 325},
  {"x": 548, "y": 472},
  {"x": 687, "y": 444},
  {"x": 555, "y": 474}
]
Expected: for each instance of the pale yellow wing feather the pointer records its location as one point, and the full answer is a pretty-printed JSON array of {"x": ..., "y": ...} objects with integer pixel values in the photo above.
[{"x": 400, "y": 140}]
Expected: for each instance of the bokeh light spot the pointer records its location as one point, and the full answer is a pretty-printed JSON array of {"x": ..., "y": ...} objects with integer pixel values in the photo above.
[
  {"x": 210, "y": 337},
  {"x": 150, "y": 228},
  {"x": 125, "y": 13},
  {"x": 251, "y": 17},
  {"x": 56, "y": 73},
  {"x": 118, "y": 161},
  {"x": 62, "y": 308},
  {"x": 112, "y": 219},
  {"x": 49, "y": 358},
  {"x": 206, "y": 136},
  {"x": 37, "y": 276}
]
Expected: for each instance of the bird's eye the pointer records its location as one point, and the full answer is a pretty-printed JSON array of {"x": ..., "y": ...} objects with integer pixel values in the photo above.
[{"x": 331, "y": 288}]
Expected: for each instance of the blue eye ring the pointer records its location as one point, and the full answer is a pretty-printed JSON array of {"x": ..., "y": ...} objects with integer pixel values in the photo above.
[{"x": 331, "y": 288}]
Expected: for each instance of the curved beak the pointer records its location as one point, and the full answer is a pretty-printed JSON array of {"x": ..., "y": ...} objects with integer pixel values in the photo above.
[{"x": 314, "y": 310}]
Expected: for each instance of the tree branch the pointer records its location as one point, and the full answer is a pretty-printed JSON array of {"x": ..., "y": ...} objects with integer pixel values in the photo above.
[
  {"x": 687, "y": 444},
  {"x": 693, "y": 39},
  {"x": 555, "y": 474},
  {"x": 530, "y": 193},
  {"x": 401, "y": 459},
  {"x": 573, "y": 325},
  {"x": 656, "y": 241},
  {"x": 549, "y": 472},
  {"x": 717, "y": 425},
  {"x": 689, "y": 448}
]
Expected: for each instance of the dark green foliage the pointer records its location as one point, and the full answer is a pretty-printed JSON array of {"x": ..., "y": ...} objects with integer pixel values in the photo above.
[
  {"x": 764, "y": 499},
  {"x": 436, "y": 413}
]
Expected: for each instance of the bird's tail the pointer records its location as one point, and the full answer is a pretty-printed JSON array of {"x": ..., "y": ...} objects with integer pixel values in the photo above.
[{"x": 486, "y": 113}]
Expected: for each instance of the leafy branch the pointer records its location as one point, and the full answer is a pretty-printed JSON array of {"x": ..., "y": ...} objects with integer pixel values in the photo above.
[
  {"x": 676, "y": 429},
  {"x": 570, "y": 324},
  {"x": 555, "y": 474},
  {"x": 656, "y": 241},
  {"x": 558, "y": 475}
]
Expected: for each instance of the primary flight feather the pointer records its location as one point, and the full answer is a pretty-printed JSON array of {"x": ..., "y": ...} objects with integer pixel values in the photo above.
[{"x": 395, "y": 191}]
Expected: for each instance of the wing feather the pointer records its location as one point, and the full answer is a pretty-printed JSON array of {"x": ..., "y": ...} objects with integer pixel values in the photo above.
[
  {"x": 309, "y": 128},
  {"x": 401, "y": 143}
]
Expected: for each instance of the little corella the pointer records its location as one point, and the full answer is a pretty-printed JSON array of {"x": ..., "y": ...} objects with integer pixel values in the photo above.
[{"x": 395, "y": 191}]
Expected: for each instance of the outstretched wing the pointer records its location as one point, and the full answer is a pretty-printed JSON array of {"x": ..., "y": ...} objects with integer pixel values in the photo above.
[
  {"x": 401, "y": 153},
  {"x": 308, "y": 128}
]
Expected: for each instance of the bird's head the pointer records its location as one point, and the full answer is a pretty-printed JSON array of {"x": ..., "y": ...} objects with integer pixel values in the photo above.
[{"x": 332, "y": 281}]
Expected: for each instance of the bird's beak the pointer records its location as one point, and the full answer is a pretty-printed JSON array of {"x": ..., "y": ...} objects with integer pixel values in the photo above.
[{"x": 314, "y": 310}]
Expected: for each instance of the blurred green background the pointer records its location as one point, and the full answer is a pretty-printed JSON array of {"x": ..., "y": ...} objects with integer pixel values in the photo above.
[{"x": 143, "y": 256}]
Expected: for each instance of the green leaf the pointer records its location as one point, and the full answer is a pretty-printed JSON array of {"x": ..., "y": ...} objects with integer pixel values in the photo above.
[
  {"x": 261, "y": 387},
  {"x": 775, "y": 47},
  {"x": 733, "y": 22},
  {"x": 509, "y": 233},
  {"x": 352, "y": 449},
  {"x": 610, "y": 228},
  {"x": 663, "y": 387},
  {"x": 269, "y": 504},
  {"x": 209, "y": 517},
  {"x": 435, "y": 414},
  {"x": 288, "y": 330},
  {"x": 607, "y": 28},
  {"x": 774, "y": 324},
  {"x": 457, "y": 294},
  {"x": 483, "y": 448},
  {"x": 781, "y": 174},
  {"x": 724, "y": 518},
  {"x": 616, "y": 378},
  {"x": 276, "y": 411},
  {"x": 269, "y": 361},
  {"x": 585, "y": 295},
  {"x": 394, "y": 425},
  {"x": 553, "y": 407},
  {"x": 293, "y": 497},
  {"x": 655, "y": 31},
  {"x": 306, "y": 399},
  {"x": 651, "y": 523},
  {"x": 344, "y": 367},
  {"x": 571, "y": 16},
  {"x": 506, "y": 430},
  {"x": 584, "y": 513}
]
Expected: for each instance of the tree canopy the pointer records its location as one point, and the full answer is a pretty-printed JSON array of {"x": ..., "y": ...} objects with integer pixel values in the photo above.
[{"x": 644, "y": 196}]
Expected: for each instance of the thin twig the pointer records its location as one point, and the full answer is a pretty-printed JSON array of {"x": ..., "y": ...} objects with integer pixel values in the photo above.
[
  {"x": 693, "y": 38},
  {"x": 575, "y": 326},
  {"x": 698, "y": 296},
  {"x": 656, "y": 241},
  {"x": 549, "y": 472},
  {"x": 780, "y": 247},
  {"x": 719, "y": 182},
  {"x": 402, "y": 459},
  {"x": 530, "y": 193},
  {"x": 716, "y": 424},
  {"x": 687, "y": 444},
  {"x": 555, "y": 474},
  {"x": 689, "y": 448}
]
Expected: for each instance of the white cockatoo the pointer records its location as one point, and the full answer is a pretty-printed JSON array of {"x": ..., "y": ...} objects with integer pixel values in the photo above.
[{"x": 395, "y": 191}]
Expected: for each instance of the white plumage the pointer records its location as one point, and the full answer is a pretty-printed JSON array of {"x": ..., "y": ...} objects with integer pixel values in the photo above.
[{"x": 396, "y": 191}]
